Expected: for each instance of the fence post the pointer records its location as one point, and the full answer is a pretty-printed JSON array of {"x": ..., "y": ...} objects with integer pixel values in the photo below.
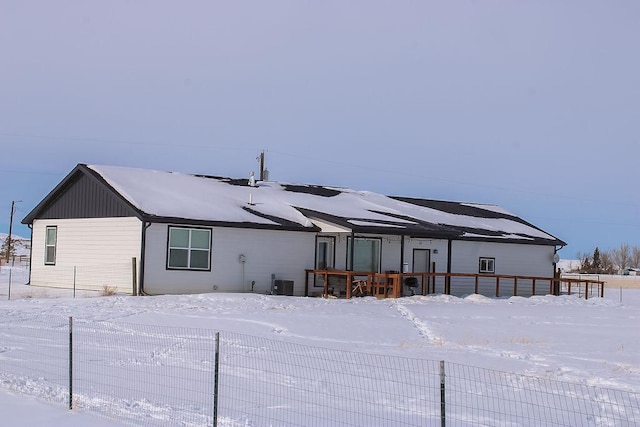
[
  {"x": 215, "y": 381},
  {"x": 442, "y": 402},
  {"x": 10, "y": 270},
  {"x": 70, "y": 362},
  {"x": 134, "y": 276}
]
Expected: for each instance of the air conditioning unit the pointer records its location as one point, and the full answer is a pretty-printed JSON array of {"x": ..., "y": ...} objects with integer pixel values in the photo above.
[{"x": 282, "y": 287}]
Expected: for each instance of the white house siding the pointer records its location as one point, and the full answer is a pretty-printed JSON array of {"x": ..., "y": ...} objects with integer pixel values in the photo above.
[
  {"x": 90, "y": 252},
  {"x": 439, "y": 258},
  {"x": 510, "y": 259},
  {"x": 391, "y": 254},
  {"x": 438, "y": 253},
  {"x": 391, "y": 248},
  {"x": 285, "y": 254}
]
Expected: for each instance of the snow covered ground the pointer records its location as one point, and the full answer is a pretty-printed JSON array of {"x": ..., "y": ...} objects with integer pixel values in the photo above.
[{"x": 591, "y": 342}]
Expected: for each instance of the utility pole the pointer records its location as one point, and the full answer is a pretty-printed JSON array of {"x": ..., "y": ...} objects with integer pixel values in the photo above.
[
  {"x": 9, "y": 244},
  {"x": 261, "y": 160}
]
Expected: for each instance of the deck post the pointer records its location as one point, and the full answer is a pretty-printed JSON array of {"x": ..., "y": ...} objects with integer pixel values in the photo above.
[
  {"x": 432, "y": 278},
  {"x": 326, "y": 285},
  {"x": 306, "y": 283},
  {"x": 586, "y": 289}
]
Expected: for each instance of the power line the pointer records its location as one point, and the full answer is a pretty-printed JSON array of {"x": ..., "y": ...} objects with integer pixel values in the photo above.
[
  {"x": 396, "y": 172},
  {"x": 127, "y": 142},
  {"x": 26, "y": 172},
  {"x": 351, "y": 165}
]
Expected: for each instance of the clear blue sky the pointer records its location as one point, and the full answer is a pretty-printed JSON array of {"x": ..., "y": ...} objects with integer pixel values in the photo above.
[{"x": 531, "y": 105}]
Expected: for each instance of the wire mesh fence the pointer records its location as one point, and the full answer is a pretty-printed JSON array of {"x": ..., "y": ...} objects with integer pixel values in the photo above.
[
  {"x": 268, "y": 382},
  {"x": 68, "y": 281},
  {"x": 34, "y": 357},
  {"x": 118, "y": 277},
  {"x": 152, "y": 375},
  {"x": 145, "y": 375},
  {"x": 478, "y": 396}
]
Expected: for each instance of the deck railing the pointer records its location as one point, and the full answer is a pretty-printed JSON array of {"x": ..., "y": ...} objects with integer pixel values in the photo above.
[{"x": 393, "y": 284}]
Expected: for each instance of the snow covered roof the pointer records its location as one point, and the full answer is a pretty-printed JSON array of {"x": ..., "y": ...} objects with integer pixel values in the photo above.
[{"x": 171, "y": 196}]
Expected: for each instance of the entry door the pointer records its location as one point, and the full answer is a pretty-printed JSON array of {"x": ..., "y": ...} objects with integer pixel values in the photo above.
[{"x": 422, "y": 263}]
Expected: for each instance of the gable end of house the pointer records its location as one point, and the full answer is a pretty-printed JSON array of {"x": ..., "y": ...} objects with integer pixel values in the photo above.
[{"x": 82, "y": 195}]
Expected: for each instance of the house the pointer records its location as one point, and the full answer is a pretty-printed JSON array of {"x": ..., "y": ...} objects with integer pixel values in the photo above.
[{"x": 160, "y": 232}]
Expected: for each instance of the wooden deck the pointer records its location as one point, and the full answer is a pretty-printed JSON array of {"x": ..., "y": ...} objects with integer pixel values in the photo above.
[{"x": 333, "y": 283}]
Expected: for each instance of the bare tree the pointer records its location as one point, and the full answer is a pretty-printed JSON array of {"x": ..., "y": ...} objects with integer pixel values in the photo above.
[
  {"x": 622, "y": 256},
  {"x": 585, "y": 262},
  {"x": 635, "y": 257},
  {"x": 8, "y": 249},
  {"x": 606, "y": 262}
]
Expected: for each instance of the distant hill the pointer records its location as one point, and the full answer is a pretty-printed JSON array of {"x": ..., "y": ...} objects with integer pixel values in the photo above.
[
  {"x": 568, "y": 265},
  {"x": 20, "y": 242}
]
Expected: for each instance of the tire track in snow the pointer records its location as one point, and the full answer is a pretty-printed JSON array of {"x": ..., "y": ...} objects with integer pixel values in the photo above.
[{"x": 424, "y": 329}]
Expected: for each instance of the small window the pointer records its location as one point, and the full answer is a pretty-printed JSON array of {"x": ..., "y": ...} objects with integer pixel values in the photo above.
[
  {"x": 50, "y": 241},
  {"x": 189, "y": 248},
  {"x": 487, "y": 265}
]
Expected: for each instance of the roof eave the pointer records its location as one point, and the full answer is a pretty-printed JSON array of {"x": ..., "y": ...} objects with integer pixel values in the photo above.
[
  {"x": 521, "y": 241},
  {"x": 227, "y": 224}
]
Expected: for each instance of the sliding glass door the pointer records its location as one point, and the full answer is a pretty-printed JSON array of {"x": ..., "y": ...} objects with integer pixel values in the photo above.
[{"x": 366, "y": 254}]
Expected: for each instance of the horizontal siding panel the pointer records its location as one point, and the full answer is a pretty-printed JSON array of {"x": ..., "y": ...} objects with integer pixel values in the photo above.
[
  {"x": 286, "y": 254},
  {"x": 510, "y": 259},
  {"x": 92, "y": 252}
]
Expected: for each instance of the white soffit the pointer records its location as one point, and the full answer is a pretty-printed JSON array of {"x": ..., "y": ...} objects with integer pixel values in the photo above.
[{"x": 327, "y": 227}]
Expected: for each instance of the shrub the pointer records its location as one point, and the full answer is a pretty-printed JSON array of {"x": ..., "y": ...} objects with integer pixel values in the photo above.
[{"x": 108, "y": 290}]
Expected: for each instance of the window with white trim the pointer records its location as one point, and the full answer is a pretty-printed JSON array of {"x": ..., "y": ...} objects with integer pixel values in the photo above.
[
  {"x": 189, "y": 248},
  {"x": 50, "y": 243},
  {"x": 487, "y": 265}
]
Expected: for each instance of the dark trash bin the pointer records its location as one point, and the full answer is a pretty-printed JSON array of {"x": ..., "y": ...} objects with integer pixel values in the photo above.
[{"x": 411, "y": 283}]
